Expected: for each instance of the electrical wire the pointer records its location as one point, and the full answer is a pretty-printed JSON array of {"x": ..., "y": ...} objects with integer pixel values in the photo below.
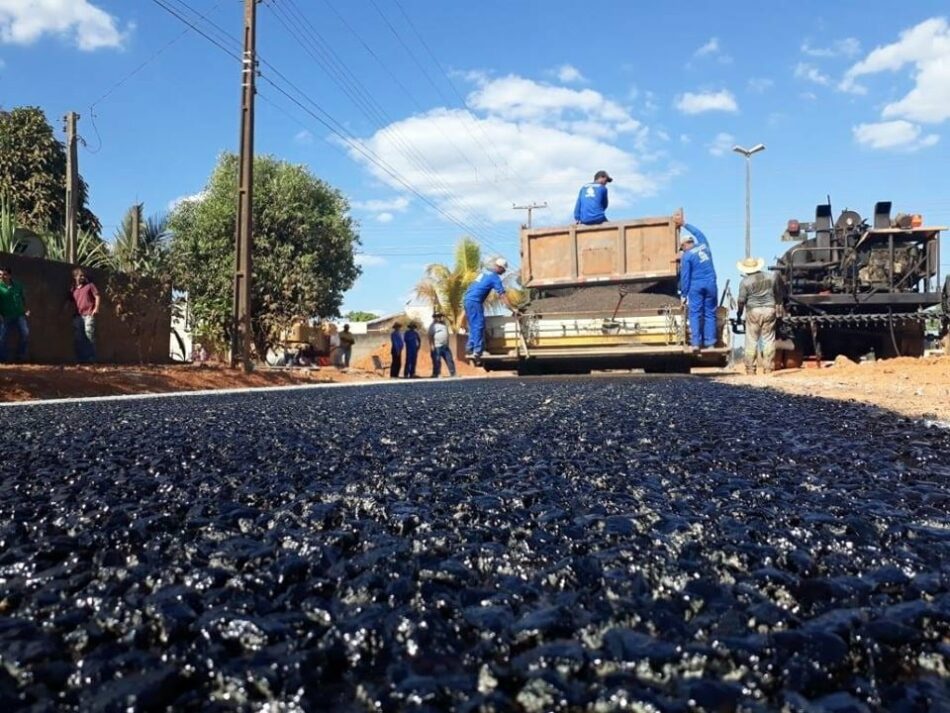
[{"x": 369, "y": 107}]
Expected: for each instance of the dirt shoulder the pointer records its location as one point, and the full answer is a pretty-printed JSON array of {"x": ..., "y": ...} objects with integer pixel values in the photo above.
[
  {"x": 29, "y": 382},
  {"x": 919, "y": 388}
]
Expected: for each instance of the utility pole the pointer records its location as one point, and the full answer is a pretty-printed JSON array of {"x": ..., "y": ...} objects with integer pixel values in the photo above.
[
  {"x": 72, "y": 186},
  {"x": 136, "y": 228},
  {"x": 530, "y": 207},
  {"x": 243, "y": 231}
]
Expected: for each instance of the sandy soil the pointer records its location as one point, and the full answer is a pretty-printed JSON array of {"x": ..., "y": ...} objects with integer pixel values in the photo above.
[
  {"x": 918, "y": 388},
  {"x": 25, "y": 382}
]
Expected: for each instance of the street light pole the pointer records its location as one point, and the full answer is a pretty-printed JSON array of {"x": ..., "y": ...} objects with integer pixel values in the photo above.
[{"x": 748, "y": 192}]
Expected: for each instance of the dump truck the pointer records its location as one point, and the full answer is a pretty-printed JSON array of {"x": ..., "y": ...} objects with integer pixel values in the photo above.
[{"x": 601, "y": 297}]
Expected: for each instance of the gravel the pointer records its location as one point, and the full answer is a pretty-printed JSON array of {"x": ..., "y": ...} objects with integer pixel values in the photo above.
[
  {"x": 589, "y": 544},
  {"x": 600, "y": 301}
]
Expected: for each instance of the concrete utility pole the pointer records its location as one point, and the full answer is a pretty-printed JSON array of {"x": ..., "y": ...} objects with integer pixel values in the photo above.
[
  {"x": 530, "y": 207},
  {"x": 72, "y": 186},
  {"x": 136, "y": 228},
  {"x": 241, "y": 337},
  {"x": 748, "y": 192}
]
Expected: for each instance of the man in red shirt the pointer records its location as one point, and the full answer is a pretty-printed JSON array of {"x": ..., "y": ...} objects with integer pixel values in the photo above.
[{"x": 85, "y": 298}]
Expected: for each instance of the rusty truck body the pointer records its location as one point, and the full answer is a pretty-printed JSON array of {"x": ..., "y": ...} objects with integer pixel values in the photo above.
[{"x": 601, "y": 297}]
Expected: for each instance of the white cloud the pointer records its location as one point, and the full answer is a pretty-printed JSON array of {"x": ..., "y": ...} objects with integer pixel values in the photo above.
[
  {"x": 699, "y": 102},
  {"x": 525, "y": 138},
  {"x": 846, "y": 47},
  {"x": 685, "y": 139},
  {"x": 723, "y": 143},
  {"x": 303, "y": 137},
  {"x": 367, "y": 260},
  {"x": 516, "y": 98},
  {"x": 925, "y": 51},
  {"x": 804, "y": 70},
  {"x": 385, "y": 217},
  {"x": 23, "y": 22},
  {"x": 711, "y": 47},
  {"x": 568, "y": 74},
  {"x": 760, "y": 84},
  {"x": 399, "y": 203},
  {"x": 712, "y": 50},
  {"x": 898, "y": 134},
  {"x": 193, "y": 198}
]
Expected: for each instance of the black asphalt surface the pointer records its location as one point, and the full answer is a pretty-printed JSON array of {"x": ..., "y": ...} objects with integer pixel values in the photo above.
[{"x": 552, "y": 544}]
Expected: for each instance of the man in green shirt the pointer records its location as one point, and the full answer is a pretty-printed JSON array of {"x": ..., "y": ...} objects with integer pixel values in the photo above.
[{"x": 13, "y": 314}]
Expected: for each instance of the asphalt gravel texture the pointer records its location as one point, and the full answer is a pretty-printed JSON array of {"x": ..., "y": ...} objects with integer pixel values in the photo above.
[{"x": 601, "y": 544}]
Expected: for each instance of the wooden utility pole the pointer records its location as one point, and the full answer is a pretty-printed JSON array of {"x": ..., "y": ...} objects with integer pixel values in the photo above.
[
  {"x": 241, "y": 337},
  {"x": 530, "y": 207},
  {"x": 72, "y": 186}
]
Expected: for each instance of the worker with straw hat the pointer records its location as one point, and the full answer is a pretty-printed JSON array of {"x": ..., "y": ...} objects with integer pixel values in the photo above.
[{"x": 760, "y": 292}]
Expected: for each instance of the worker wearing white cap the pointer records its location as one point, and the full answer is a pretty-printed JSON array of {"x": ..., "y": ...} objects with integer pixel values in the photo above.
[
  {"x": 474, "y": 302},
  {"x": 761, "y": 292}
]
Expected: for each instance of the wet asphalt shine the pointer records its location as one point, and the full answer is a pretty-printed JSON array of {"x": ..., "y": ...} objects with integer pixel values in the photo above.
[{"x": 607, "y": 543}]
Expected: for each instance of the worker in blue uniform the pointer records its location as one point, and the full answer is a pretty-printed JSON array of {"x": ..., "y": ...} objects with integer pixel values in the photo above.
[
  {"x": 698, "y": 287},
  {"x": 474, "y": 303},
  {"x": 413, "y": 341},
  {"x": 592, "y": 201},
  {"x": 396, "y": 344}
]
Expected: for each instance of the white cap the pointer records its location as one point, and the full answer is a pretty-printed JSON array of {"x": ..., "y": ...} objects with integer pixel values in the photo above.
[
  {"x": 502, "y": 263},
  {"x": 687, "y": 238}
]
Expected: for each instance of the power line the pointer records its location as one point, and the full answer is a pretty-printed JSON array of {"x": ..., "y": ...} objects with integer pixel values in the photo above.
[
  {"x": 370, "y": 108},
  {"x": 326, "y": 120}
]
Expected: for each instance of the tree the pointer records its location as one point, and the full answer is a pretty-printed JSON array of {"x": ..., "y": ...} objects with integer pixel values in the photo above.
[
  {"x": 148, "y": 258},
  {"x": 358, "y": 316},
  {"x": 304, "y": 243},
  {"x": 33, "y": 173},
  {"x": 444, "y": 287}
]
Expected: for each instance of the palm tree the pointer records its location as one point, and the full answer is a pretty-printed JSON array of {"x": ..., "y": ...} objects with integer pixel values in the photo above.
[
  {"x": 444, "y": 287},
  {"x": 91, "y": 250},
  {"x": 147, "y": 256}
]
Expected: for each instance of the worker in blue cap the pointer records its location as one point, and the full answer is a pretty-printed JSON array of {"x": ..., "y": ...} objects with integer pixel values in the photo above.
[
  {"x": 698, "y": 287},
  {"x": 474, "y": 303},
  {"x": 591, "y": 205}
]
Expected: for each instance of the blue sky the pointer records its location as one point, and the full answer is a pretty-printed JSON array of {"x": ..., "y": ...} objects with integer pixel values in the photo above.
[{"x": 467, "y": 108}]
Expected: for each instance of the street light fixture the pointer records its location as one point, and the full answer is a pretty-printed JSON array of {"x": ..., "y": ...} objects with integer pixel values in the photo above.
[{"x": 748, "y": 189}]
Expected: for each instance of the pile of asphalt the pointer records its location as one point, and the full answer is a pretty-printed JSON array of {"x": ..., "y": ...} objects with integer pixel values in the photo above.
[
  {"x": 589, "y": 544},
  {"x": 599, "y": 301}
]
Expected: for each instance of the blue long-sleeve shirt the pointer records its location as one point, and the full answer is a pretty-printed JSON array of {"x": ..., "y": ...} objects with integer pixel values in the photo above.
[
  {"x": 395, "y": 339},
  {"x": 591, "y": 204},
  {"x": 412, "y": 340},
  {"x": 696, "y": 266}
]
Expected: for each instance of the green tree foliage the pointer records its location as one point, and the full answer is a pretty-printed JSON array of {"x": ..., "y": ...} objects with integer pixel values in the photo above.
[
  {"x": 304, "y": 242},
  {"x": 359, "y": 316},
  {"x": 149, "y": 257},
  {"x": 33, "y": 173}
]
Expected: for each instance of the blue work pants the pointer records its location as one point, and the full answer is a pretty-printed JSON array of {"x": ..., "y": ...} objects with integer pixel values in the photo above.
[
  {"x": 22, "y": 328},
  {"x": 411, "y": 356},
  {"x": 84, "y": 338},
  {"x": 702, "y": 314},
  {"x": 475, "y": 314},
  {"x": 438, "y": 354}
]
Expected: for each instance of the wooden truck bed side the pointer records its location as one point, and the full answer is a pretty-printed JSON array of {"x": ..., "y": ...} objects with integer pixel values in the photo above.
[{"x": 620, "y": 251}]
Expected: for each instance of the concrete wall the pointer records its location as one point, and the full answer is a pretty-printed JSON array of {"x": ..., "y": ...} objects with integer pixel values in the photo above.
[{"x": 142, "y": 338}]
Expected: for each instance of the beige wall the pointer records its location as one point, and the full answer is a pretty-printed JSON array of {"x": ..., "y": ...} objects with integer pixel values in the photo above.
[{"x": 143, "y": 338}]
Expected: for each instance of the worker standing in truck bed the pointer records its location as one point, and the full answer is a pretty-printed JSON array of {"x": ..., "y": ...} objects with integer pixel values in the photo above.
[
  {"x": 591, "y": 205},
  {"x": 698, "y": 287}
]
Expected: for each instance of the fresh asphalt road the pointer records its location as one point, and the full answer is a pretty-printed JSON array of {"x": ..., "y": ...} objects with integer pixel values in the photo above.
[{"x": 497, "y": 544}]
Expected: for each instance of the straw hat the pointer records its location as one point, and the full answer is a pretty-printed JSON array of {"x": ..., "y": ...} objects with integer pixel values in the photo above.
[{"x": 751, "y": 265}]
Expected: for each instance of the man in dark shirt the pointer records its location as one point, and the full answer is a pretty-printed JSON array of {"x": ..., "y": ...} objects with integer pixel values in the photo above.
[
  {"x": 85, "y": 298},
  {"x": 396, "y": 344}
]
